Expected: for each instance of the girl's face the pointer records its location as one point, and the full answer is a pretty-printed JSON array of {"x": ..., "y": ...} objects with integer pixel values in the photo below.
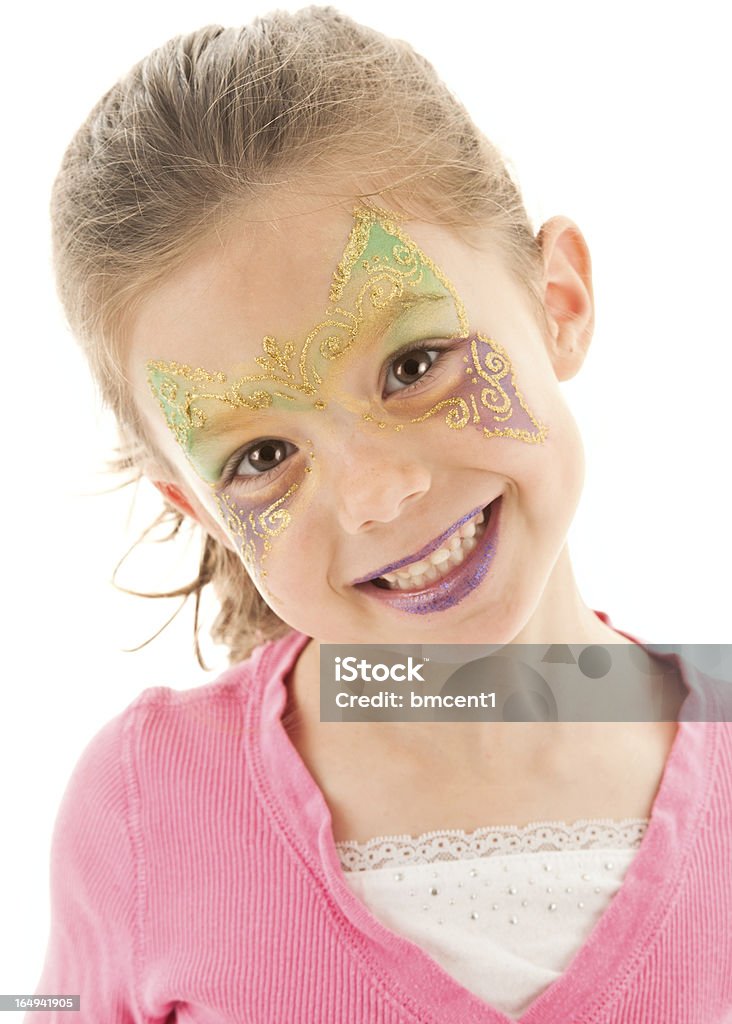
[{"x": 345, "y": 392}]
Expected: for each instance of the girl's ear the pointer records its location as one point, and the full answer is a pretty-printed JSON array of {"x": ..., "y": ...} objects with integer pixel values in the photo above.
[{"x": 176, "y": 497}]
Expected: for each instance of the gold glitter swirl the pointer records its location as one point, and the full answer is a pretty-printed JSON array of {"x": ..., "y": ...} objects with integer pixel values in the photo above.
[
  {"x": 275, "y": 514},
  {"x": 382, "y": 288},
  {"x": 456, "y": 418},
  {"x": 407, "y": 255},
  {"x": 496, "y": 399},
  {"x": 496, "y": 363}
]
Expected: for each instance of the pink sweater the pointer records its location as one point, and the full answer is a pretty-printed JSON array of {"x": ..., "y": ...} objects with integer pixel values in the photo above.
[{"x": 194, "y": 879}]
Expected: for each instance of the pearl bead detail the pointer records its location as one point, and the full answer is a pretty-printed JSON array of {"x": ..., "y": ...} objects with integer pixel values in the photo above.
[{"x": 480, "y": 882}]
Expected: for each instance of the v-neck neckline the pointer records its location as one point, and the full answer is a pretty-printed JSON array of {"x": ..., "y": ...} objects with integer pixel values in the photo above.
[{"x": 406, "y": 974}]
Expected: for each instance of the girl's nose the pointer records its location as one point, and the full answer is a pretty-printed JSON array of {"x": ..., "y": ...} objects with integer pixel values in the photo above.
[{"x": 376, "y": 480}]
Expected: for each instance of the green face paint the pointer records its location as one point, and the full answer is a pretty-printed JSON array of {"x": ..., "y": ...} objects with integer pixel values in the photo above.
[{"x": 383, "y": 289}]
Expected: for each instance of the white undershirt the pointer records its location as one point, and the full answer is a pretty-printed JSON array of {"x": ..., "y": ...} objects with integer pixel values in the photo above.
[{"x": 502, "y": 909}]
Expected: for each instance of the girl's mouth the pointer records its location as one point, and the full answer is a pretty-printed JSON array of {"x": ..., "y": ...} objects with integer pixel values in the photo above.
[{"x": 446, "y": 575}]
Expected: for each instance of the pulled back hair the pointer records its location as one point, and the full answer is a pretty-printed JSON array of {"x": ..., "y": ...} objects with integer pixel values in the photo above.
[{"x": 203, "y": 127}]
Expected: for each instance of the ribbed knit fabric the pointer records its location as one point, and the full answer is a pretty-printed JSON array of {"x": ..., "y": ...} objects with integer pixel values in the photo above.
[{"x": 194, "y": 879}]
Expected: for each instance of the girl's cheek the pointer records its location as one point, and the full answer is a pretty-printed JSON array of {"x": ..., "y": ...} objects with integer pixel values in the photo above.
[{"x": 260, "y": 525}]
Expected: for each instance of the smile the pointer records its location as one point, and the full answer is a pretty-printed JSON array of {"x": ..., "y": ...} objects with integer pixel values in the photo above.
[{"x": 443, "y": 573}]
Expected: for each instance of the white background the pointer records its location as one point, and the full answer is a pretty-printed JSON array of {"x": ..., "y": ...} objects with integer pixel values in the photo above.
[{"x": 616, "y": 117}]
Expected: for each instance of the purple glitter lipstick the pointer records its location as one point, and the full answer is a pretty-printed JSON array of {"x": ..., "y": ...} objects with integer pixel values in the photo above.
[{"x": 449, "y": 590}]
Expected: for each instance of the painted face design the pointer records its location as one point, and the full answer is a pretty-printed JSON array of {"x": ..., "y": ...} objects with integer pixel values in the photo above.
[{"x": 383, "y": 280}]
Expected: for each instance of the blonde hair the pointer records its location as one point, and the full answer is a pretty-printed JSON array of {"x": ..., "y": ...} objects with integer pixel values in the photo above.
[{"x": 206, "y": 125}]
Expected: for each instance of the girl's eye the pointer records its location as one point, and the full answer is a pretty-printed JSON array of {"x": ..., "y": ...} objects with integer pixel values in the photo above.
[
  {"x": 260, "y": 459},
  {"x": 413, "y": 365}
]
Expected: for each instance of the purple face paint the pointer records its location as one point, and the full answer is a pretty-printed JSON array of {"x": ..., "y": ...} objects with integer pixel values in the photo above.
[{"x": 488, "y": 397}]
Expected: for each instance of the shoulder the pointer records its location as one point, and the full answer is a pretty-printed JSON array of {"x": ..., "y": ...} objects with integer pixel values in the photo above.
[
  {"x": 236, "y": 684},
  {"x": 158, "y": 748},
  {"x": 157, "y": 716},
  {"x": 221, "y": 703},
  {"x": 160, "y": 779}
]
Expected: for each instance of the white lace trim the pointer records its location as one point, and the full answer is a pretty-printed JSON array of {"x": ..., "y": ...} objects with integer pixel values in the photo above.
[{"x": 455, "y": 844}]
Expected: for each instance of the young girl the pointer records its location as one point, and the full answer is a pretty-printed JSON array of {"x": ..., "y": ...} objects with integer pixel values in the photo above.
[{"x": 308, "y": 288}]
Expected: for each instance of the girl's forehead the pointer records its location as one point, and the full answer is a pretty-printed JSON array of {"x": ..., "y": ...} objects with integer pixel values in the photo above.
[
  {"x": 278, "y": 278},
  {"x": 281, "y": 278}
]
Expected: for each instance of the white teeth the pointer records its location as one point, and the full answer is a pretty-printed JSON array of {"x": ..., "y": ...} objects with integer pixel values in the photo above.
[
  {"x": 440, "y": 562},
  {"x": 417, "y": 568}
]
